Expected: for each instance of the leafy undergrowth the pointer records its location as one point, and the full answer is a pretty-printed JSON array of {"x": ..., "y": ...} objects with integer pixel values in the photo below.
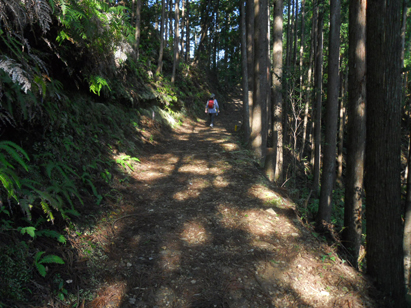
[{"x": 195, "y": 224}]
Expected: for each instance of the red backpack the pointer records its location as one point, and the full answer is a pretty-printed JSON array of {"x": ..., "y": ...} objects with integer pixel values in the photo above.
[{"x": 210, "y": 104}]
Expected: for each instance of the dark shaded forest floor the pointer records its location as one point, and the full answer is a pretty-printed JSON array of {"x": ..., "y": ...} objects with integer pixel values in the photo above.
[{"x": 196, "y": 224}]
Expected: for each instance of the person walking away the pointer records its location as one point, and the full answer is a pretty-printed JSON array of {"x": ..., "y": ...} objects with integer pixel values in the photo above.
[{"x": 212, "y": 109}]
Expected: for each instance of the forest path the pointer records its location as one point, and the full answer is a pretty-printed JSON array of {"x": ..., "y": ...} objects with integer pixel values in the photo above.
[{"x": 199, "y": 226}]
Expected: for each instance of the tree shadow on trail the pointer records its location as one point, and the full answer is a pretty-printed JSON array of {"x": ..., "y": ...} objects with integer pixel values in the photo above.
[{"x": 202, "y": 228}]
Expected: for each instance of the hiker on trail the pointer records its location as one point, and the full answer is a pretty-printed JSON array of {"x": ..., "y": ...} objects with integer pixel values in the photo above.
[{"x": 212, "y": 109}]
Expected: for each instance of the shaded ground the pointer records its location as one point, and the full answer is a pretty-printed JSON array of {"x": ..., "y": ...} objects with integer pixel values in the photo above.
[{"x": 197, "y": 225}]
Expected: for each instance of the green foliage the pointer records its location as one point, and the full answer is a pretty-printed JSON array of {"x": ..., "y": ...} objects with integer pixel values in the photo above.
[
  {"x": 10, "y": 152},
  {"x": 39, "y": 262},
  {"x": 125, "y": 160},
  {"x": 97, "y": 83}
]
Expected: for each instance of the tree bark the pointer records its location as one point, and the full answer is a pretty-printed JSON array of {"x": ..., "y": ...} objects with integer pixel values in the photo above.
[
  {"x": 188, "y": 45},
  {"x": 250, "y": 56},
  {"x": 246, "y": 111},
  {"x": 176, "y": 40},
  {"x": 183, "y": 19},
  {"x": 331, "y": 119},
  {"x": 161, "y": 52},
  {"x": 382, "y": 153},
  {"x": 259, "y": 124},
  {"x": 318, "y": 100},
  {"x": 277, "y": 91},
  {"x": 138, "y": 29},
  {"x": 356, "y": 130}
]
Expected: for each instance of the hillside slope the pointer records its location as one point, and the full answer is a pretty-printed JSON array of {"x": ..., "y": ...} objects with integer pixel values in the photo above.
[{"x": 195, "y": 224}]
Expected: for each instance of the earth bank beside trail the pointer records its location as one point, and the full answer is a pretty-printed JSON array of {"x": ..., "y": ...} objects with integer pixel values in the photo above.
[{"x": 196, "y": 224}]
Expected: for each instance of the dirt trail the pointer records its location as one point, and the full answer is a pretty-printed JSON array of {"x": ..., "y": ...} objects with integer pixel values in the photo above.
[{"x": 199, "y": 226}]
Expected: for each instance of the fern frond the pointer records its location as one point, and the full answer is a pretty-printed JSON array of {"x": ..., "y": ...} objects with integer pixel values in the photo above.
[
  {"x": 16, "y": 73},
  {"x": 13, "y": 150},
  {"x": 52, "y": 234},
  {"x": 39, "y": 63},
  {"x": 12, "y": 12},
  {"x": 39, "y": 10}
]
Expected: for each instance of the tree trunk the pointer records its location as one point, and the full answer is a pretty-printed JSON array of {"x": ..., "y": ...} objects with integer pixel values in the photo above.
[
  {"x": 356, "y": 130},
  {"x": 294, "y": 58},
  {"x": 259, "y": 124},
  {"x": 246, "y": 111},
  {"x": 407, "y": 225},
  {"x": 188, "y": 45},
  {"x": 215, "y": 37},
  {"x": 318, "y": 100},
  {"x": 183, "y": 18},
  {"x": 382, "y": 153},
  {"x": 277, "y": 89},
  {"x": 331, "y": 119},
  {"x": 161, "y": 52},
  {"x": 138, "y": 30},
  {"x": 312, "y": 64},
  {"x": 407, "y": 216},
  {"x": 250, "y": 56},
  {"x": 300, "y": 69},
  {"x": 176, "y": 40},
  {"x": 166, "y": 23}
]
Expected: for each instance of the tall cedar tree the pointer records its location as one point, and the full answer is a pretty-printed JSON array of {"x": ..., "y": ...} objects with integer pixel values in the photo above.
[
  {"x": 176, "y": 40},
  {"x": 246, "y": 123},
  {"x": 250, "y": 56},
  {"x": 318, "y": 97},
  {"x": 356, "y": 131},
  {"x": 382, "y": 153},
  {"x": 277, "y": 87},
  {"x": 138, "y": 28},
  {"x": 259, "y": 124},
  {"x": 162, "y": 28},
  {"x": 331, "y": 118}
]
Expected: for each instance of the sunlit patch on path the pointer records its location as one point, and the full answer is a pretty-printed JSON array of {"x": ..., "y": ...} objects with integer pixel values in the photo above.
[{"x": 198, "y": 225}]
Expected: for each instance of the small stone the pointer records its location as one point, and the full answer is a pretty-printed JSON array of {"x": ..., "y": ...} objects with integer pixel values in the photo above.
[
  {"x": 129, "y": 264},
  {"x": 325, "y": 293},
  {"x": 294, "y": 234},
  {"x": 193, "y": 281}
]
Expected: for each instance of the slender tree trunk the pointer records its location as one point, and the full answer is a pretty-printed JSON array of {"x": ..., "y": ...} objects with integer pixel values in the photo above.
[
  {"x": 183, "y": 19},
  {"x": 331, "y": 119},
  {"x": 161, "y": 52},
  {"x": 132, "y": 10},
  {"x": 295, "y": 33},
  {"x": 170, "y": 20},
  {"x": 246, "y": 111},
  {"x": 407, "y": 216},
  {"x": 277, "y": 88},
  {"x": 341, "y": 129},
  {"x": 188, "y": 45},
  {"x": 138, "y": 30},
  {"x": 382, "y": 153},
  {"x": 289, "y": 42},
  {"x": 250, "y": 56},
  {"x": 312, "y": 63},
  {"x": 318, "y": 100},
  {"x": 301, "y": 82},
  {"x": 216, "y": 38},
  {"x": 156, "y": 22},
  {"x": 166, "y": 23},
  {"x": 176, "y": 40},
  {"x": 356, "y": 130},
  {"x": 259, "y": 124},
  {"x": 407, "y": 225}
]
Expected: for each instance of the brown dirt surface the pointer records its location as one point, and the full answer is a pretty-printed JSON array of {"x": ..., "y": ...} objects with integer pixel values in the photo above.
[{"x": 196, "y": 224}]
